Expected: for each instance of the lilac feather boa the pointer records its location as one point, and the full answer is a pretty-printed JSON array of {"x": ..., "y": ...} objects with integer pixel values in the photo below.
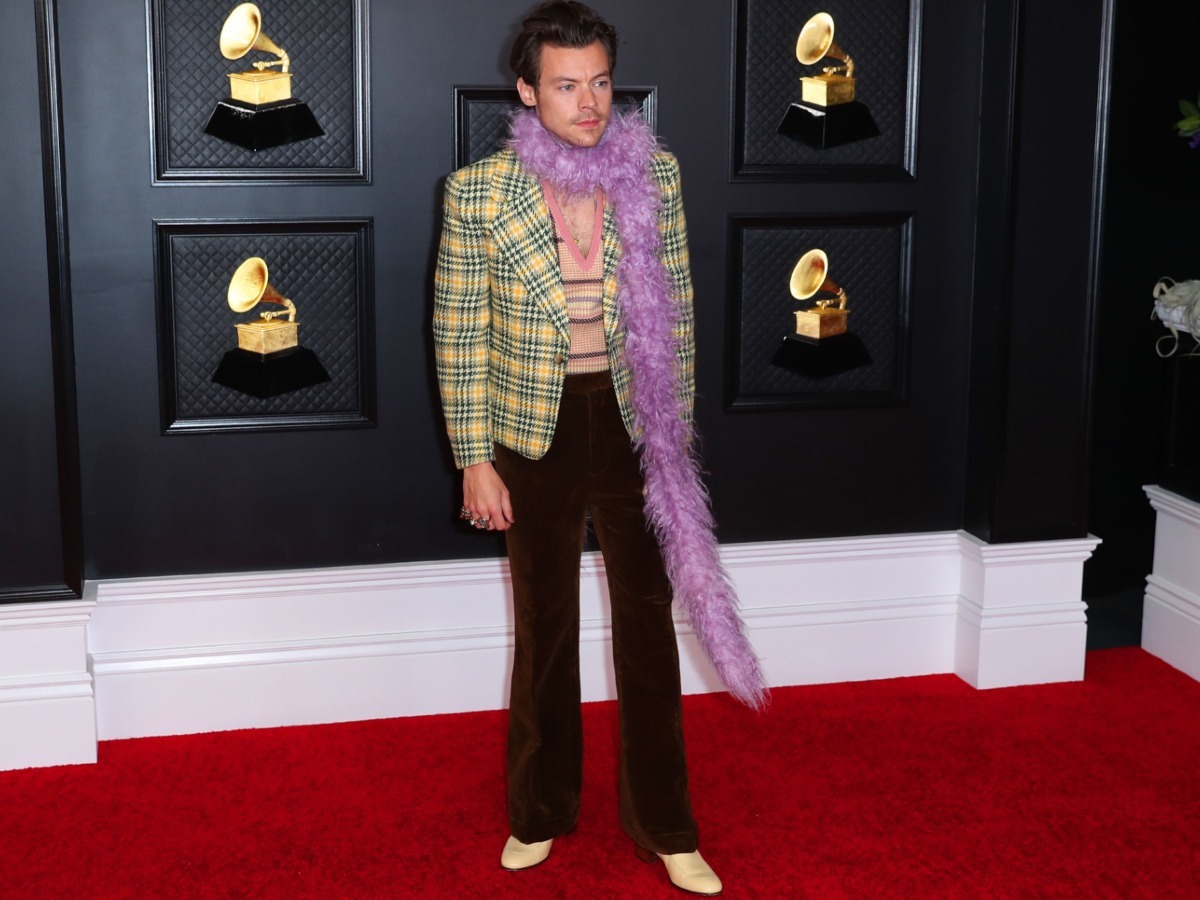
[{"x": 677, "y": 503}]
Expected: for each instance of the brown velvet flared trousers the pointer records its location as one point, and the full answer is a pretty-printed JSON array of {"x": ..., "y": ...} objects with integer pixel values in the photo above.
[{"x": 591, "y": 467}]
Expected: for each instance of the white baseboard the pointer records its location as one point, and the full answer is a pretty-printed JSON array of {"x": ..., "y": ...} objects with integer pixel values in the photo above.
[
  {"x": 47, "y": 706},
  {"x": 1171, "y": 613},
  {"x": 185, "y": 654},
  {"x": 1021, "y": 619},
  {"x": 174, "y": 655}
]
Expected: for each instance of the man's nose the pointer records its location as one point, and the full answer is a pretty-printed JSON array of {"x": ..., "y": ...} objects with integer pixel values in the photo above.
[{"x": 587, "y": 98}]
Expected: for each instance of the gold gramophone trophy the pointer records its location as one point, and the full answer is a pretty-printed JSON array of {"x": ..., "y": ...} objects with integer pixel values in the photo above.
[
  {"x": 828, "y": 113},
  {"x": 821, "y": 344},
  {"x": 260, "y": 111},
  {"x": 250, "y": 287},
  {"x": 835, "y": 84},
  {"x": 809, "y": 277},
  {"x": 269, "y": 359}
]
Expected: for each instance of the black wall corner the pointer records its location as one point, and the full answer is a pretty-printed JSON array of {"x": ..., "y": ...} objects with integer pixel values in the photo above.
[{"x": 1038, "y": 230}]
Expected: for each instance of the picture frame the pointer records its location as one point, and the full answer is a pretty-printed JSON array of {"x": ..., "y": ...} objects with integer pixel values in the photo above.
[
  {"x": 870, "y": 257},
  {"x": 328, "y": 41},
  {"x": 884, "y": 38},
  {"x": 324, "y": 265}
]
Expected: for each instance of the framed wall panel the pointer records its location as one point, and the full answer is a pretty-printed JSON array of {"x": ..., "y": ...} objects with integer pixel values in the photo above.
[
  {"x": 481, "y": 116},
  {"x": 324, "y": 266},
  {"x": 870, "y": 257},
  {"x": 327, "y": 43},
  {"x": 883, "y": 38}
]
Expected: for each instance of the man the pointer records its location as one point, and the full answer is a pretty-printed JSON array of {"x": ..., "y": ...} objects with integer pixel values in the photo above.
[{"x": 563, "y": 331}]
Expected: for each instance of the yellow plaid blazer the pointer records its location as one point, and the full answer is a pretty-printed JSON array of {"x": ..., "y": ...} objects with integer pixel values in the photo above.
[{"x": 500, "y": 314}]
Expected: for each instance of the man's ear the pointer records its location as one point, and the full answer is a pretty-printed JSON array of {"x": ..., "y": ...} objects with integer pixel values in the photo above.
[{"x": 528, "y": 93}]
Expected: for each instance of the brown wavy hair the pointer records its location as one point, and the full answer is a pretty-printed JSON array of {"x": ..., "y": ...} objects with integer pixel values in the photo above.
[{"x": 560, "y": 23}]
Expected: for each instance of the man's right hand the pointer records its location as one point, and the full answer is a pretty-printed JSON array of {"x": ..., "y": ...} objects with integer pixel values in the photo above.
[{"x": 486, "y": 497}]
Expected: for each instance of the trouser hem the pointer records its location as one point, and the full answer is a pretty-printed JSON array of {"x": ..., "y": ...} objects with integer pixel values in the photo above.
[
  {"x": 532, "y": 832},
  {"x": 672, "y": 842}
]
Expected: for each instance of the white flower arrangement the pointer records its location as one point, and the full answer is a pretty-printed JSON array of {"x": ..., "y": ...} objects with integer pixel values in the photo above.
[{"x": 1177, "y": 306}]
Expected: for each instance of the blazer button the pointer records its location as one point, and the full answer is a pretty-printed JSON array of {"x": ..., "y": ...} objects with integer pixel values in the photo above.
[{"x": 558, "y": 358}]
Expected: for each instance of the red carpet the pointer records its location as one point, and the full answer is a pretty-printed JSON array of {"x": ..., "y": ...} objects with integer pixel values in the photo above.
[{"x": 917, "y": 787}]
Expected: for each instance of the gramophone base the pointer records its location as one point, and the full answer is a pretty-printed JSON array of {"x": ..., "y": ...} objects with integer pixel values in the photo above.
[
  {"x": 821, "y": 358},
  {"x": 828, "y": 126},
  {"x": 826, "y": 90},
  {"x": 270, "y": 375},
  {"x": 263, "y": 126},
  {"x": 821, "y": 322}
]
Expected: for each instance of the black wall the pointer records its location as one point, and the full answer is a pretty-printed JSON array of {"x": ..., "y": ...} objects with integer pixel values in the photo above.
[
  {"x": 987, "y": 398},
  {"x": 39, "y": 529},
  {"x": 1151, "y": 231},
  {"x": 1038, "y": 227}
]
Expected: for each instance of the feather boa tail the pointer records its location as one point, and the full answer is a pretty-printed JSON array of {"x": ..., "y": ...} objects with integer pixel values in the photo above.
[{"x": 677, "y": 504}]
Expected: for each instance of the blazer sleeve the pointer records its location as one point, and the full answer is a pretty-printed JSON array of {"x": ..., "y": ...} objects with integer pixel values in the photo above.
[
  {"x": 461, "y": 318},
  {"x": 673, "y": 227}
]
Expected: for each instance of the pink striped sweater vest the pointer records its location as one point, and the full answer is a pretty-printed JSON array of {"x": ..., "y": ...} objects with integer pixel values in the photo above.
[{"x": 583, "y": 283}]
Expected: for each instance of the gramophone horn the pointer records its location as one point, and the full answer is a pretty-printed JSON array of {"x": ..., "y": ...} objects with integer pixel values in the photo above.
[
  {"x": 816, "y": 42},
  {"x": 808, "y": 277},
  {"x": 242, "y": 32},
  {"x": 249, "y": 287},
  {"x": 811, "y": 275}
]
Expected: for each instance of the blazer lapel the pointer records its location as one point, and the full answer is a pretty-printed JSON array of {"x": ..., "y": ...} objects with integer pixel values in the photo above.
[
  {"x": 612, "y": 255},
  {"x": 524, "y": 235}
]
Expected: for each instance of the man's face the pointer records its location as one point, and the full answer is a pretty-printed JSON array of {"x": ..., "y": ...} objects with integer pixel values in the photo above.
[{"x": 573, "y": 96}]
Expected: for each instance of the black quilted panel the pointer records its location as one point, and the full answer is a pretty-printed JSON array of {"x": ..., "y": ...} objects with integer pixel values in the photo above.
[
  {"x": 487, "y": 126},
  {"x": 482, "y": 117},
  {"x": 190, "y": 77},
  {"x": 876, "y": 35},
  {"x": 318, "y": 266},
  {"x": 868, "y": 258}
]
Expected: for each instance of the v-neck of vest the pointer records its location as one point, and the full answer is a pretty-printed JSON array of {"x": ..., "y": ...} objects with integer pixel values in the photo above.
[{"x": 585, "y": 262}]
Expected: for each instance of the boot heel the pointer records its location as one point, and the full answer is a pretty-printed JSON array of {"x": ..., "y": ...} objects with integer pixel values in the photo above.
[{"x": 643, "y": 854}]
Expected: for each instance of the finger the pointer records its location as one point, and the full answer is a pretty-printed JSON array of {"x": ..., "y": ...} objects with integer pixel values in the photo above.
[
  {"x": 498, "y": 511},
  {"x": 496, "y": 521}
]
